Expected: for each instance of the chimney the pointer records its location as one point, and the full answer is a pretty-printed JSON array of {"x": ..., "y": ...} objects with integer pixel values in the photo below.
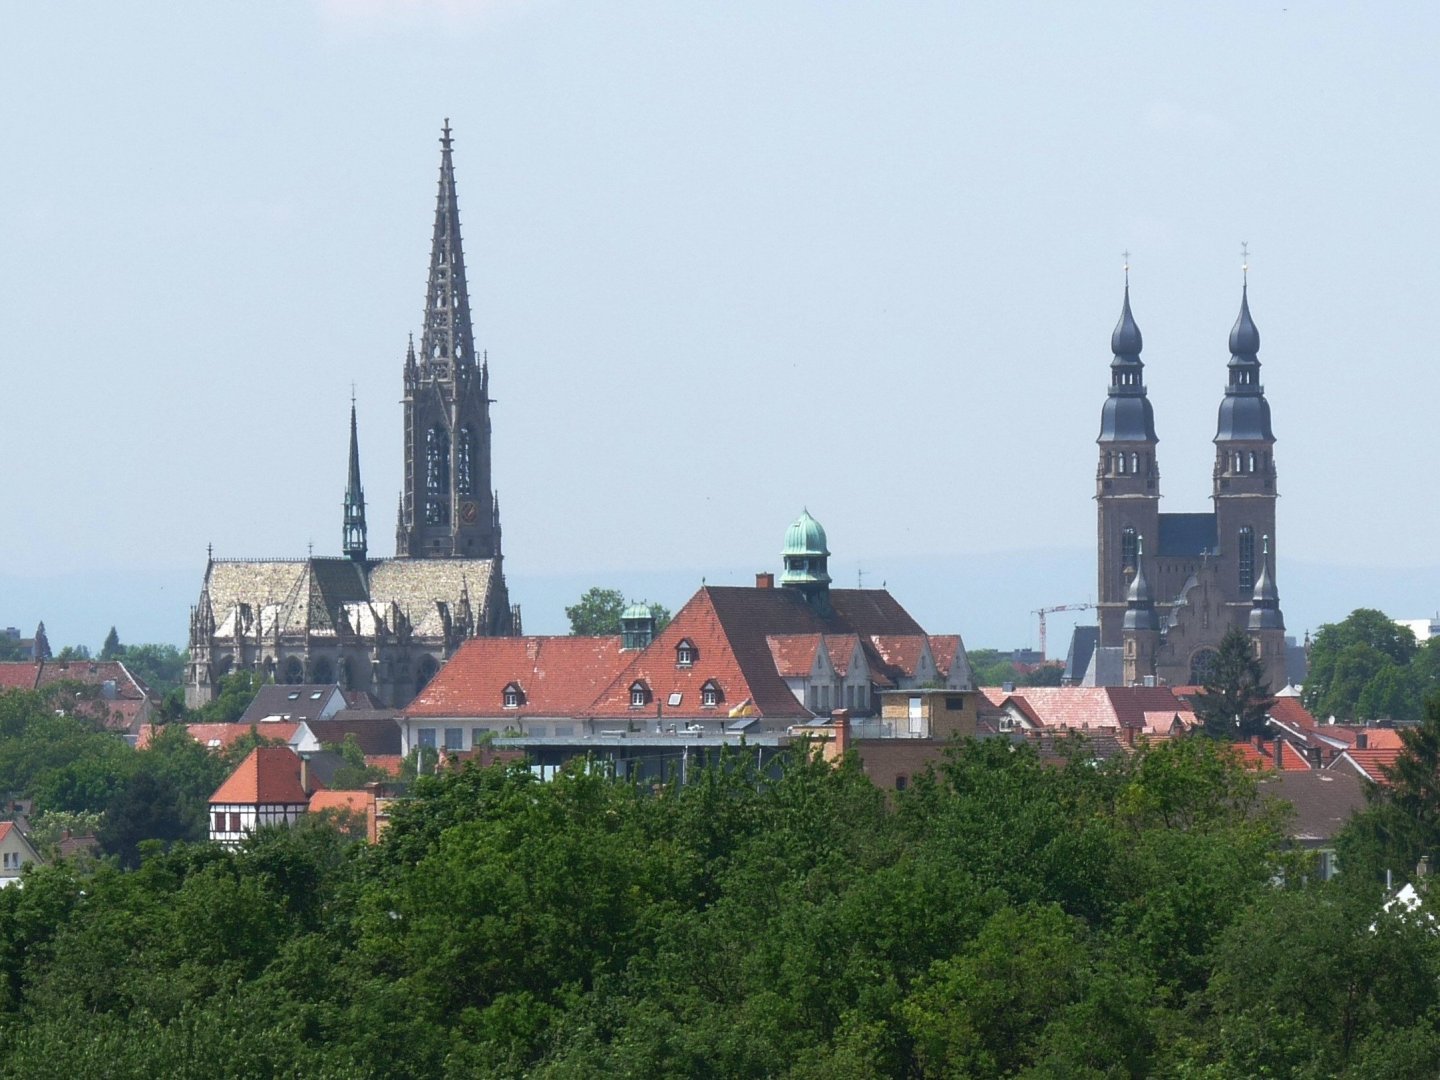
[
  {"x": 1422, "y": 869},
  {"x": 1257, "y": 741},
  {"x": 764, "y": 580},
  {"x": 305, "y": 775},
  {"x": 1279, "y": 754},
  {"x": 840, "y": 720},
  {"x": 1362, "y": 740}
]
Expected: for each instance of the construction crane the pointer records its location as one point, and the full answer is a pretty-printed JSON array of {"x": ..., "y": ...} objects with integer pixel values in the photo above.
[{"x": 1042, "y": 612}]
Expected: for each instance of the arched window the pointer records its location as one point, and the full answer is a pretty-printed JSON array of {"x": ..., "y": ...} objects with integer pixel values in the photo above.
[
  {"x": 426, "y": 672},
  {"x": 1129, "y": 549},
  {"x": 1245, "y": 549},
  {"x": 322, "y": 672},
  {"x": 1201, "y": 665},
  {"x": 347, "y": 674},
  {"x": 1252, "y": 461},
  {"x": 294, "y": 671},
  {"x": 437, "y": 476},
  {"x": 1122, "y": 463},
  {"x": 465, "y": 461},
  {"x": 1135, "y": 463}
]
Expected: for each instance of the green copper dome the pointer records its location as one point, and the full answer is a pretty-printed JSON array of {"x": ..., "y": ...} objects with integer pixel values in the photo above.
[
  {"x": 805, "y": 537},
  {"x": 635, "y": 611},
  {"x": 805, "y": 556}
]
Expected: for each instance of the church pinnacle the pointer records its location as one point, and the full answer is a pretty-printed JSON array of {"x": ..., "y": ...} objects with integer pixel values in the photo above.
[
  {"x": 447, "y": 344},
  {"x": 354, "y": 545}
]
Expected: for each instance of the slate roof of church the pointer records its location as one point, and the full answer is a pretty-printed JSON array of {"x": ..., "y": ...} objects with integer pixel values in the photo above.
[
  {"x": 300, "y": 595},
  {"x": 269, "y": 776},
  {"x": 1186, "y": 534}
]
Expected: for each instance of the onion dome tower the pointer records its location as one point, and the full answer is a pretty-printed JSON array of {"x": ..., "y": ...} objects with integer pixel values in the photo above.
[
  {"x": 1244, "y": 475},
  {"x": 1141, "y": 625},
  {"x": 806, "y": 560}
]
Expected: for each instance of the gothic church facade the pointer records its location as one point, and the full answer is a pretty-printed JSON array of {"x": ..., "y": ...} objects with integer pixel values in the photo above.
[
  {"x": 1171, "y": 585},
  {"x": 383, "y": 625}
]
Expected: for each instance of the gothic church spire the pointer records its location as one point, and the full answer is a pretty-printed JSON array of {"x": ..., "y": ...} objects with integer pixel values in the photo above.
[
  {"x": 354, "y": 545},
  {"x": 447, "y": 343}
]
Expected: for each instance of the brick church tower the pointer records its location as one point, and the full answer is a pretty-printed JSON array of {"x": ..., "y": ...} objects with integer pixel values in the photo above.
[{"x": 1202, "y": 573}]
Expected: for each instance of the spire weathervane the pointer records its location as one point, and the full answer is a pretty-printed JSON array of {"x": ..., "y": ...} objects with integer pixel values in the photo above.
[
  {"x": 1126, "y": 255},
  {"x": 1245, "y": 261}
]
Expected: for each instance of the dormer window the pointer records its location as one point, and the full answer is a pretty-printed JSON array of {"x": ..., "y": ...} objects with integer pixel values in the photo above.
[
  {"x": 685, "y": 653},
  {"x": 513, "y": 696},
  {"x": 639, "y": 695},
  {"x": 710, "y": 694}
]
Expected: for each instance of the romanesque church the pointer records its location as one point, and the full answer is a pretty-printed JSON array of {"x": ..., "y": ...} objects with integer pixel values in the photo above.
[
  {"x": 1171, "y": 585},
  {"x": 383, "y": 625}
]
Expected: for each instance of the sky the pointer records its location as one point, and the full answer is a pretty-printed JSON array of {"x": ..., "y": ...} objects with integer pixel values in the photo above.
[{"x": 727, "y": 261}]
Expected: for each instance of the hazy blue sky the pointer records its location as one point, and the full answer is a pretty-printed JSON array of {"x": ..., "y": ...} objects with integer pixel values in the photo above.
[{"x": 728, "y": 260}]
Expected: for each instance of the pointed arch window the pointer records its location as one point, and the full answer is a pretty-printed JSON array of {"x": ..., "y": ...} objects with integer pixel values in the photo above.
[
  {"x": 437, "y": 476},
  {"x": 1245, "y": 549},
  {"x": 1129, "y": 549},
  {"x": 465, "y": 461},
  {"x": 1135, "y": 463}
]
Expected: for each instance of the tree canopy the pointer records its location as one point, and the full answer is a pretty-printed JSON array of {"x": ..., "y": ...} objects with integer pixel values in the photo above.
[
  {"x": 597, "y": 612},
  {"x": 1235, "y": 694},
  {"x": 1000, "y": 917},
  {"x": 1368, "y": 667}
]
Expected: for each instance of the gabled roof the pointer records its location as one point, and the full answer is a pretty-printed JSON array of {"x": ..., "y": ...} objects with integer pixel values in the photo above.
[
  {"x": 558, "y": 676},
  {"x": 222, "y": 736},
  {"x": 794, "y": 654},
  {"x": 731, "y": 627},
  {"x": 1323, "y": 801},
  {"x": 1288, "y": 710},
  {"x": 301, "y": 701},
  {"x": 375, "y": 730},
  {"x": 1371, "y": 764},
  {"x": 900, "y": 655},
  {"x": 1151, "y": 710},
  {"x": 269, "y": 776},
  {"x": 124, "y": 699}
]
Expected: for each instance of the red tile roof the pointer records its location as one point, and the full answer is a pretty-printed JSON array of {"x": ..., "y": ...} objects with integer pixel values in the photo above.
[
  {"x": 1142, "y": 709},
  {"x": 1288, "y": 710},
  {"x": 269, "y": 776},
  {"x": 793, "y": 654},
  {"x": 1370, "y": 764},
  {"x": 730, "y": 627},
  {"x": 557, "y": 676},
  {"x": 18, "y": 674},
  {"x": 354, "y": 801},
  {"x": 223, "y": 736},
  {"x": 943, "y": 648},
  {"x": 900, "y": 653}
]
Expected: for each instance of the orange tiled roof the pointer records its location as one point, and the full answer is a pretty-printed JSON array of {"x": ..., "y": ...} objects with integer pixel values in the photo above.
[
  {"x": 391, "y": 763},
  {"x": 222, "y": 736},
  {"x": 730, "y": 627},
  {"x": 557, "y": 676},
  {"x": 1288, "y": 710},
  {"x": 793, "y": 654},
  {"x": 269, "y": 776},
  {"x": 901, "y": 653},
  {"x": 354, "y": 801},
  {"x": 1370, "y": 763},
  {"x": 18, "y": 674},
  {"x": 943, "y": 648}
]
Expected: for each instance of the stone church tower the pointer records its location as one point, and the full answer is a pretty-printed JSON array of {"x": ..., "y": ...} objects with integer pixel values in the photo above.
[
  {"x": 1204, "y": 573},
  {"x": 447, "y": 507},
  {"x": 383, "y": 626}
]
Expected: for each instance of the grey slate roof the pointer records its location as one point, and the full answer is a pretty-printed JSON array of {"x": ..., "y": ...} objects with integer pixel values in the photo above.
[
  {"x": 1083, "y": 642},
  {"x": 1186, "y": 535},
  {"x": 321, "y": 595}
]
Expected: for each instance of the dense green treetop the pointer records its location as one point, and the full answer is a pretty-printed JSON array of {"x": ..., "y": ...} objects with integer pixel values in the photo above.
[
  {"x": 1368, "y": 667},
  {"x": 597, "y": 612},
  {"x": 1235, "y": 695}
]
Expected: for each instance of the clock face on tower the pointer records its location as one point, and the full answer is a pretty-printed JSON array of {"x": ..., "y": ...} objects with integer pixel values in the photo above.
[{"x": 469, "y": 513}]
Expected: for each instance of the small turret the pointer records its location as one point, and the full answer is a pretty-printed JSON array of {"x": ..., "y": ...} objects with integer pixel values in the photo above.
[
  {"x": 637, "y": 627},
  {"x": 1140, "y": 604},
  {"x": 1265, "y": 603},
  {"x": 806, "y": 561}
]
